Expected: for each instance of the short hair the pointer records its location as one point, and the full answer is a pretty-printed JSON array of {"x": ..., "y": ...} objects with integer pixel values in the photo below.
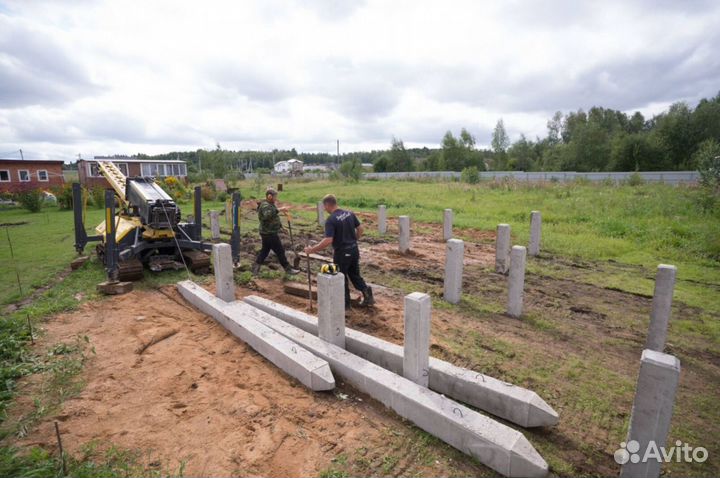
[
  {"x": 271, "y": 191},
  {"x": 330, "y": 200}
]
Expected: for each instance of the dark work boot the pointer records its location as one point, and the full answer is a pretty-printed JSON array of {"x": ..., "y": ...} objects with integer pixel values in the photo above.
[
  {"x": 255, "y": 269},
  {"x": 368, "y": 299}
]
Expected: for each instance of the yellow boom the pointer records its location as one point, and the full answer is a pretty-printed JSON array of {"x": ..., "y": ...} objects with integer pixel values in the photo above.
[{"x": 115, "y": 177}]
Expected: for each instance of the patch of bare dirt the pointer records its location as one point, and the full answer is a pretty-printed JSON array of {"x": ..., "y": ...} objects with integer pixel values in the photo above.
[{"x": 169, "y": 380}]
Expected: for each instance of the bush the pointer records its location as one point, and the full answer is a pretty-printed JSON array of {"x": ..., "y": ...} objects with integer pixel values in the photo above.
[
  {"x": 470, "y": 175},
  {"x": 258, "y": 185},
  {"x": 208, "y": 193},
  {"x": 64, "y": 196},
  {"x": 351, "y": 170},
  {"x": 635, "y": 179},
  {"x": 222, "y": 196},
  {"x": 31, "y": 200},
  {"x": 707, "y": 159},
  {"x": 98, "y": 197}
]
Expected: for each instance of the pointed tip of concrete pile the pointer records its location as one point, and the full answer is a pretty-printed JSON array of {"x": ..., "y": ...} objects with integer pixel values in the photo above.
[
  {"x": 322, "y": 378},
  {"x": 540, "y": 414},
  {"x": 525, "y": 460}
]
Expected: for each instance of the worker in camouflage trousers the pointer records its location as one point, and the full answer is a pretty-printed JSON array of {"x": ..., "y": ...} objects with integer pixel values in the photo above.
[{"x": 270, "y": 226}]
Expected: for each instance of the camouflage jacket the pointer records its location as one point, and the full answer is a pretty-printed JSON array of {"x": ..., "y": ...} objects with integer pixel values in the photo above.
[{"x": 269, "y": 218}]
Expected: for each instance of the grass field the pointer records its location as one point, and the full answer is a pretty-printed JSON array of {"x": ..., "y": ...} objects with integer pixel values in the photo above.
[
  {"x": 641, "y": 225},
  {"x": 608, "y": 236}
]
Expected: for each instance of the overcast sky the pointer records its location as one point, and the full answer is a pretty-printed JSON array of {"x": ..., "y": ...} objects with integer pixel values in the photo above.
[{"x": 122, "y": 77}]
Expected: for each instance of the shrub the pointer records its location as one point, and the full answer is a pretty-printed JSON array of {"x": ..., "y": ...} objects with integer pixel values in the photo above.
[
  {"x": 351, "y": 170},
  {"x": 635, "y": 179},
  {"x": 98, "y": 197},
  {"x": 707, "y": 159},
  {"x": 222, "y": 196},
  {"x": 31, "y": 200},
  {"x": 208, "y": 193},
  {"x": 258, "y": 184},
  {"x": 64, "y": 196},
  {"x": 470, "y": 175}
]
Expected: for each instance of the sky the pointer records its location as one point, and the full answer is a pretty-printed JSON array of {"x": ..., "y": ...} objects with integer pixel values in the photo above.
[{"x": 152, "y": 76}]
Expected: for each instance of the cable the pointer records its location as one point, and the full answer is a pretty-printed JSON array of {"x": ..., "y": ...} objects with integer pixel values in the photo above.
[{"x": 177, "y": 243}]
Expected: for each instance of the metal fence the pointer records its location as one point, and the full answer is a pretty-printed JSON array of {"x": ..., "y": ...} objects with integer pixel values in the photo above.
[{"x": 668, "y": 177}]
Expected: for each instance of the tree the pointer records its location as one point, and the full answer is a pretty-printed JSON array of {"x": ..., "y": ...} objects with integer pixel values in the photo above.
[
  {"x": 676, "y": 132},
  {"x": 399, "y": 159},
  {"x": 636, "y": 152},
  {"x": 381, "y": 164},
  {"x": 522, "y": 155},
  {"x": 500, "y": 140},
  {"x": 554, "y": 126}
]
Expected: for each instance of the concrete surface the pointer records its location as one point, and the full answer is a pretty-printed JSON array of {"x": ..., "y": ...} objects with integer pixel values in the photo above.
[
  {"x": 223, "y": 267},
  {"x": 416, "y": 350},
  {"x": 321, "y": 214},
  {"x": 535, "y": 227},
  {"x": 214, "y": 225},
  {"x": 404, "y": 237},
  {"x": 331, "y": 308},
  {"x": 452, "y": 287},
  {"x": 382, "y": 219},
  {"x": 497, "y": 446},
  {"x": 311, "y": 371},
  {"x": 652, "y": 409},
  {"x": 447, "y": 224},
  {"x": 502, "y": 248},
  {"x": 515, "y": 404},
  {"x": 661, "y": 307},
  {"x": 516, "y": 281}
]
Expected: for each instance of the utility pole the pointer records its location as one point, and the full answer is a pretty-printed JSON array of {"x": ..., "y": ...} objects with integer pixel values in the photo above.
[
  {"x": 338, "y": 152},
  {"x": 22, "y": 158}
]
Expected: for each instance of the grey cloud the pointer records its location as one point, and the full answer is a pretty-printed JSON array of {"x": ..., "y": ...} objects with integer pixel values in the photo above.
[
  {"x": 361, "y": 92},
  {"x": 689, "y": 72},
  {"x": 35, "y": 70},
  {"x": 227, "y": 80}
]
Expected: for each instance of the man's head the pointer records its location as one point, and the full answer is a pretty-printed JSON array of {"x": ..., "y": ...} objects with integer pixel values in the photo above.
[
  {"x": 271, "y": 195},
  {"x": 330, "y": 203}
]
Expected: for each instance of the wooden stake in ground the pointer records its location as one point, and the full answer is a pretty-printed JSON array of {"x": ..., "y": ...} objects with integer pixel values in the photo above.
[
  {"x": 12, "y": 256},
  {"x": 32, "y": 337},
  {"x": 62, "y": 454}
]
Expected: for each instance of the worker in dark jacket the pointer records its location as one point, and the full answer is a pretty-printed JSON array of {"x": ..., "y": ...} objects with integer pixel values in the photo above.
[
  {"x": 342, "y": 230},
  {"x": 270, "y": 226}
]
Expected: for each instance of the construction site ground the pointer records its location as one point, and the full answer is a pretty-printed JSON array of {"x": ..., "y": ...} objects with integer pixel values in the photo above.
[{"x": 162, "y": 378}]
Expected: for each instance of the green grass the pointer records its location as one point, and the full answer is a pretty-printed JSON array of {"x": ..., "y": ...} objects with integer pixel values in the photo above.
[
  {"x": 643, "y": 225},
  {"x": 41, "y": 248},
  {"x": 90, "y": 463}
]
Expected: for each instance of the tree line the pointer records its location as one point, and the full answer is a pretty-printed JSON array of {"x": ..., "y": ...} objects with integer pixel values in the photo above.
[{"x": 601, "y": 139}]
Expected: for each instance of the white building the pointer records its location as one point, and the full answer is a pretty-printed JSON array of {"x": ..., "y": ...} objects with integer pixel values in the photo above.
[{"x": 291, "y": 166}]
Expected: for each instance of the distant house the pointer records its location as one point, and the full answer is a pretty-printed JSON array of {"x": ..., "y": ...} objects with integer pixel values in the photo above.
[
  {"x": 18, "y": 175},
  {"x": 291, "y": 166},
  {"x": 90, "y": 177}
]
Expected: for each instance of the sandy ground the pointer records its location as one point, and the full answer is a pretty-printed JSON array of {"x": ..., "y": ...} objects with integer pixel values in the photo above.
[{"x": 200, "y": 395}]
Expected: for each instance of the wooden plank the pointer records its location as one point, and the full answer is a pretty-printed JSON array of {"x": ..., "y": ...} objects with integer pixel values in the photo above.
[{"x": 301, "y": 290}]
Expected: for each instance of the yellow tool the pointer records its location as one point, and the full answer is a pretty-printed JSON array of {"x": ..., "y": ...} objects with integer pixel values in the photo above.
[{"x": 331, "y": 269}]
